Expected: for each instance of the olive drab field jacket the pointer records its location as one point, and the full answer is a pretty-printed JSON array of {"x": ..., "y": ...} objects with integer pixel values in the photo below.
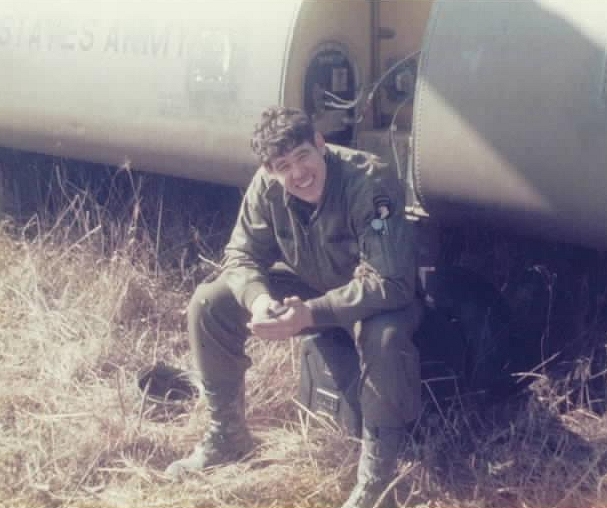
[{"x": 356, "y": 247}]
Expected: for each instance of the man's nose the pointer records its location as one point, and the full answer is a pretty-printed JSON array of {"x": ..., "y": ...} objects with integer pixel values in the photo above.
[{"x": 298, "y": 170}]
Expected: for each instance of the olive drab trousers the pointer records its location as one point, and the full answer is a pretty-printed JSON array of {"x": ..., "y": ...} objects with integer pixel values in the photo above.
[{"x": 390, "y": 384}]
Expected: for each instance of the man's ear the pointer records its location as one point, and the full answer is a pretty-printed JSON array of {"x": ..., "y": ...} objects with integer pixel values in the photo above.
[{"x": 319, "y": 141}]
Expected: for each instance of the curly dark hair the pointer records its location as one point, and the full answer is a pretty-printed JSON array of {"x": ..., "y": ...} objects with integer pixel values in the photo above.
[{"x": 280, "y": 130}]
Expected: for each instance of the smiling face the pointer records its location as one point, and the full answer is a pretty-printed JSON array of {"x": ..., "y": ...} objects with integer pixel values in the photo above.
[{"x": 303, "y": 170}]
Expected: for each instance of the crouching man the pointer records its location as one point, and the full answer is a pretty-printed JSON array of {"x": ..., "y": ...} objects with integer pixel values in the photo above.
[{"x": 338, "y": 226}]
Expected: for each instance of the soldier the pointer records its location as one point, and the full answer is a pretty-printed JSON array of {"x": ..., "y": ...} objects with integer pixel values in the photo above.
[{"x": 338, "y": 226}]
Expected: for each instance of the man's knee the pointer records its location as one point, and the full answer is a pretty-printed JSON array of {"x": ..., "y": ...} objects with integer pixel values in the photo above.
[
  {"x": 212, "y": 304},
  {"x": 390, "y": 332},
  {"x": 197, "y": 302}
]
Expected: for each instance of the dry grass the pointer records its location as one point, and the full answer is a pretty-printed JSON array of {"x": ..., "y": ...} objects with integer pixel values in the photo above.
[{"x": 76, "y": 325}]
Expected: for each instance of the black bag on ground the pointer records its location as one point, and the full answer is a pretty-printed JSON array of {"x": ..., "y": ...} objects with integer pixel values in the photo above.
[{"x": 329, "y": 377}]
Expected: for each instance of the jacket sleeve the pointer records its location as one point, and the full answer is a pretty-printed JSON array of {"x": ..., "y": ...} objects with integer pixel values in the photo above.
[
  {"x": 252, "y": 247},
  {"x": 386, "y": 276}
]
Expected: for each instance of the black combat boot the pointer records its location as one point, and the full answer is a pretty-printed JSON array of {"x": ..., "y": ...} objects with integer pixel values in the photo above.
[
  {"x": 376, "y": 468},
  {"x": 226, "y": 440}
]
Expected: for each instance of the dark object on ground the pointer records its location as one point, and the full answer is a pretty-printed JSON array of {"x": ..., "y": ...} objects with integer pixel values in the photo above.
[
  {"x": 163, "y": 383},
  {"x": 329, "y": 378},
  {"x": 466, "y": 338}
]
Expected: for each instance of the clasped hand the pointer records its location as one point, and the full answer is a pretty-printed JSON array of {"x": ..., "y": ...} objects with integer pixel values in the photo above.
[{"x": 287, "y": 323}]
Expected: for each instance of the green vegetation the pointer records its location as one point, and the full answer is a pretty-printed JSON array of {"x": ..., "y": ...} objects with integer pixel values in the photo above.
[{"x": 84, "y": 305}]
